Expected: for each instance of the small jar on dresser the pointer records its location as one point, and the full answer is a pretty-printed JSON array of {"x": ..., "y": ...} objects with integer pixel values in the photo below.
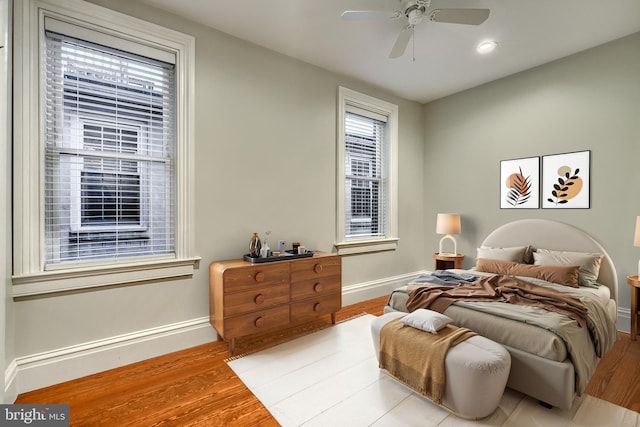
[{"x": 246, "y": 298}]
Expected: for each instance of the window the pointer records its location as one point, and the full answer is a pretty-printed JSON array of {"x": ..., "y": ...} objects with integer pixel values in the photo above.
[
  {"x": 103, "y": 176},
  {"x": 364, "y": 166},
  {"x": 109, "y": 152},
  {"x": 367, "y": 146}
]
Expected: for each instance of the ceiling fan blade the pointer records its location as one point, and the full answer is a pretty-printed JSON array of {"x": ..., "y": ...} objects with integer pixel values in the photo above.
[
  {"x": 401, "y": 42},
  {"x": 460, "y": 16},
  {"x": 363, "y": 15}
]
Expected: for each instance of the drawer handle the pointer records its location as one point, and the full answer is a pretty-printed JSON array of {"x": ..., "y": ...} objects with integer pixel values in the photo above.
[
  {"x": 316, "y": 307},
  {"x": 259, "y": 322},
  {"x": 318, "y": 268},
  {"x": 259, "y": 277},
  {"x": 317, "y": 287},
  {"x": 259, "y": 299}
]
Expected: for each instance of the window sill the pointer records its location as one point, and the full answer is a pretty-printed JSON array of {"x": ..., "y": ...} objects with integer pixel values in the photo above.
[
  {"x": 365, "y": 246},
  {"x": 56, "y": 281}
]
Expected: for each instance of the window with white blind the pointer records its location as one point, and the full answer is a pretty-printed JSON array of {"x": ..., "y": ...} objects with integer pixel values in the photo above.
[
  {"x": 109, "y": 152},
  {"x": 367, "y": 147},
  {"x": 364, "y": 176},
  {"x": 103, "y": 176}
]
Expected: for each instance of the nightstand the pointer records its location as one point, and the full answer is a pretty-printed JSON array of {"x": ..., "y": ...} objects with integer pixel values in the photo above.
[
  {"x": 447, "y": 261},
  {"x": 634, "y": 282}
]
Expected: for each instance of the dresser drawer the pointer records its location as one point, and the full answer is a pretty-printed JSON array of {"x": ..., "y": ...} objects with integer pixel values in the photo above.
[
  {"x": 239, "y": 279},
  {"x": 316, "y": 267},
  {"x": 255, "y": 299},
  {"x": 315, "y": 287},
  {"x": 257, "y": 321},
  {"x": 313, "y": 307}
]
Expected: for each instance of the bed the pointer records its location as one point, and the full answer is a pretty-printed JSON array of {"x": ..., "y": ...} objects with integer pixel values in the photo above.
[{"x": 553, "y": 356}]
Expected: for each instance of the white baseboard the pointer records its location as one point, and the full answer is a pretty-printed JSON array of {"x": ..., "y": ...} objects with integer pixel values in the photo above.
[
  {"x": 10, "y": 393},
  {"x": 366, "y": 290},
  {"x": 623, "y": 323},
  {"x": 64, "y": 364}
]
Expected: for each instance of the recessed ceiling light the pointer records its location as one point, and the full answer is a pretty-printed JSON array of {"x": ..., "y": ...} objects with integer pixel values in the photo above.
[{"x": 487, "y": 46}]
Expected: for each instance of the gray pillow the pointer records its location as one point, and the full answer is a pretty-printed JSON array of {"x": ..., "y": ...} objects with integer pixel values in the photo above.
[
  {"x": 588, "y": 262},
  {"x": 513, "y": 254}
]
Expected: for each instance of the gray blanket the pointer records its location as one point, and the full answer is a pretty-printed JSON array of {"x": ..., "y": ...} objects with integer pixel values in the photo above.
[{"x": 444, "y": 277}]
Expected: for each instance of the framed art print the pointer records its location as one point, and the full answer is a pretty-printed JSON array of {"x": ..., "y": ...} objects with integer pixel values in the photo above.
[
  {"x": 519, "y": 183},
  {"x": 565, "y": 180}
]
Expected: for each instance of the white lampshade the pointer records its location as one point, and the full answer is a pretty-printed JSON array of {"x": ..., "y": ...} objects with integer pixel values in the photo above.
[{"x": 448, "y": 224}]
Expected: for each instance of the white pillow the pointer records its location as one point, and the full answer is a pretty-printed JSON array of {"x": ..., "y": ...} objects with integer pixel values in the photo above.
[
  {"x": 589, "y": 263},
  {"x": 426, "y": 320},
  {"x": 513, "y": 254}
]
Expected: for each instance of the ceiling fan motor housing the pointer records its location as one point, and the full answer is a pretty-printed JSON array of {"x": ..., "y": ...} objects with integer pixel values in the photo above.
[{"x": 414, "y": 10}]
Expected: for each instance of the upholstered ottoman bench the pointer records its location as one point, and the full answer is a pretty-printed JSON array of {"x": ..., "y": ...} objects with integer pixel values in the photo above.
[{"x": 476, "y": 372}]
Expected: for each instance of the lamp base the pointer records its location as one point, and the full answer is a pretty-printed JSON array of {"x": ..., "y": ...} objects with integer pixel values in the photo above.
[{"x": 455, "y": 245}]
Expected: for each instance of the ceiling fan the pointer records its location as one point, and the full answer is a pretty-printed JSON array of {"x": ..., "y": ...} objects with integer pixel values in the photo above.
[{"x": 415, "y": 11}]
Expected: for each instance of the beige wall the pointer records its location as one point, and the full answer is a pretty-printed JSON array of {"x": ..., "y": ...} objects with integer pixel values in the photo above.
[
  {"x": 265, "y": 160},
  {"x": 588, "y": 101}
]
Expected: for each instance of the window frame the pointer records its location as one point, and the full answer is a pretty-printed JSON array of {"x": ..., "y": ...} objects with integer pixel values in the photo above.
[
  {"x": 347, "y": 246},
  {"x": 29, "y": 276}
]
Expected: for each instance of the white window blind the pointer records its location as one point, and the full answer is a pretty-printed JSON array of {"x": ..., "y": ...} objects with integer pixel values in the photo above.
[
  {"x": 110, "y": 123},
  {"x": 365, "y": 173}
]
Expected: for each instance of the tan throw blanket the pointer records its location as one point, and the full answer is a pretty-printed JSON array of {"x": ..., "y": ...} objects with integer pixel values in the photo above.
[
  {"x": 416, "y": 358},
  {"x": 500, "y": 288}
]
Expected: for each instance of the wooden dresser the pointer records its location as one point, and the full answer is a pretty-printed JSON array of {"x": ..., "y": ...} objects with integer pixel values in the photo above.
[{"x": 245, "y": 298}]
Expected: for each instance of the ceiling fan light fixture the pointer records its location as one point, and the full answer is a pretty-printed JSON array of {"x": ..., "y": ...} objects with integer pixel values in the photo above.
[
  {"x": 415, "y": 17},
  {"x": 486, "y": 46}
]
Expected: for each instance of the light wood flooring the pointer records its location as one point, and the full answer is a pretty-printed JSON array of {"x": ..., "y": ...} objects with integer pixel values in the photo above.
[{"x": 195, "y": 387}]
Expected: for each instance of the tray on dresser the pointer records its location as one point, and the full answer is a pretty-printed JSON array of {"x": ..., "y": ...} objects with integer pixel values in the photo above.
[{"x": 287, "y": 256}]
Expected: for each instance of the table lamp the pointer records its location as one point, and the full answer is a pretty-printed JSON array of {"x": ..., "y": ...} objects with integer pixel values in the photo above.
[
  {"x": 449, "y": 224},
  {"x": 636, "y": 239}
]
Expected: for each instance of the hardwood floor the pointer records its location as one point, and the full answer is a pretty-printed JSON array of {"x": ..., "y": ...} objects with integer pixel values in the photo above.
[{"x": 195, "y": 387}]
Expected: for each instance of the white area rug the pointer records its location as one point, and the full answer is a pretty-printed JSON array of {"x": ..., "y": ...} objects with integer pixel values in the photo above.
[{"x": 331, "y": 378}]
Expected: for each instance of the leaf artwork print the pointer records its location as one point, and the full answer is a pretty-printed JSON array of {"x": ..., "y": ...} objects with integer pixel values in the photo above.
[
  {"x": 568, "y": 186},
  {"x": 519, "y": 188}
]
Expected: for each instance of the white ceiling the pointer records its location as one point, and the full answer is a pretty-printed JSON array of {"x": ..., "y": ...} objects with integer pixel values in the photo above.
[{"x": 529, "y": 33}]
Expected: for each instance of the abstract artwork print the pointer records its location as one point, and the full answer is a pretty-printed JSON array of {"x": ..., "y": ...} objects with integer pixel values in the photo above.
[
  {"x": 565, "y": 180},
  {"x": 519, "y": 183}
]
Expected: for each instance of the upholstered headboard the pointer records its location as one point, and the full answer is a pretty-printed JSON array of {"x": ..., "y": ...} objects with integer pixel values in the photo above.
[{"x": 554, "y": 235}]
